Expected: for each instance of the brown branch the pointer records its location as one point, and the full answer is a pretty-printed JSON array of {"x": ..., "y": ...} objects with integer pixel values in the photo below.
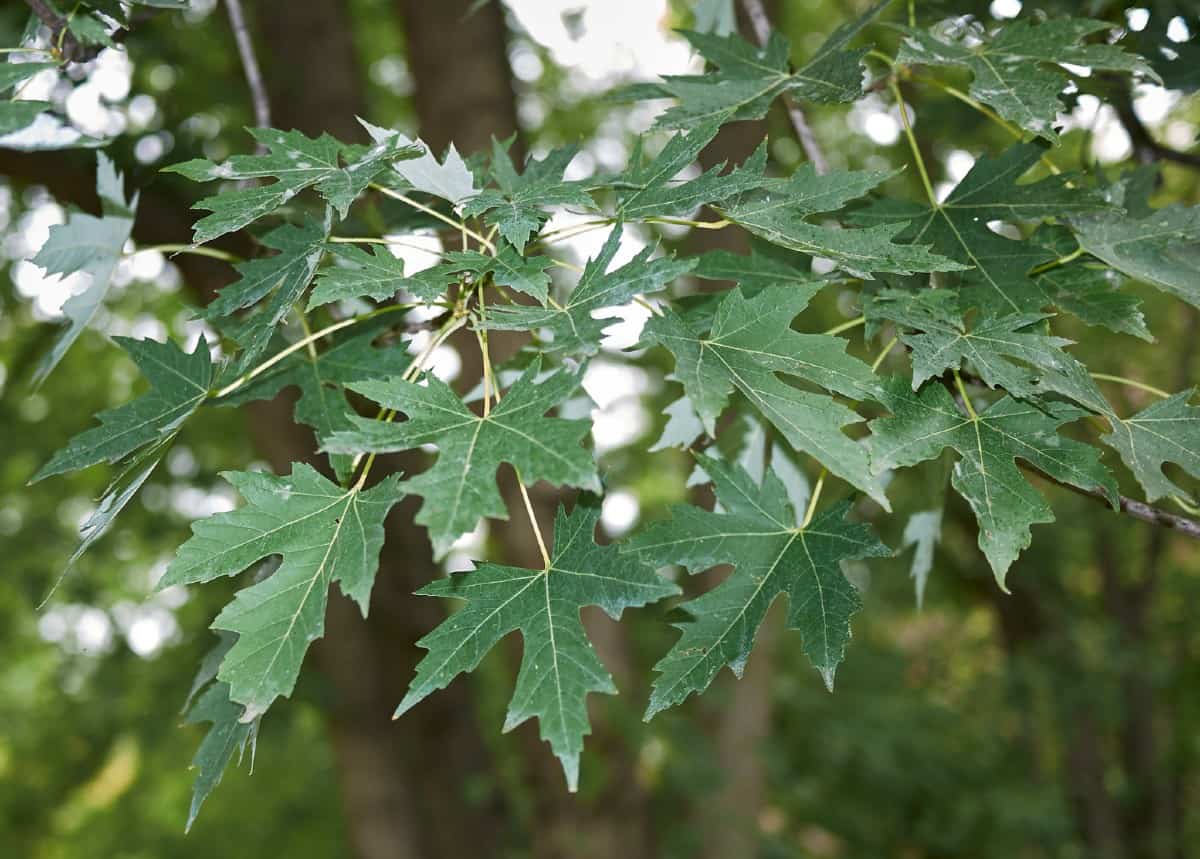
[
  {"x": 761, "y": 22},
  {"x": 1131, "y": 507},
  {"x": 245, "y": 48}
]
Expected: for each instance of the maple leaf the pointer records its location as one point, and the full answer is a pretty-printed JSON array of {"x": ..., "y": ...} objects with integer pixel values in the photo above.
[
  {"x": 227, "y": 736},
  {"x": 559, "y": 666},
  {"x": 923, "y": 531},
  {"x": 649, "y": 189},
  {"x": 1167, "y": 431},
  {"x": 296, "y": 162},
  {"x": 750, "y": 77},
  {"x": 757, "y": 532},
  {"x": 571, "y": 323},
  {"x": 1018, "y": 69},
  {"x": 449, "y": 179},
  {"x": 1006, "y": 351},
  {"x": 282, "y": 276},
  {"x": 517, "y": 206},
  {"x": 1160, "y": 247},
  {"x": 998, "y": 281},
  {"x": 179, "y": 383},
  {"x": 377, "y": 275},
  {"x": 324, "y": 533},
  {"x": 460, "y": 488},
  {"x": 749, "y": 343},
  {"x": 16, "y": 113},
  {"x": 779, "y": 210},
  {"x": 925, "y": 422},
  {"x": 92, "y": 246},
  {"x": 763, "y": 267},
  {"x": 321, "y": 380}
]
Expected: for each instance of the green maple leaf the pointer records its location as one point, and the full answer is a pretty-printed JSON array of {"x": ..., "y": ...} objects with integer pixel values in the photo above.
[
  {"x": 179, "y": 383},
  {"x": 1008, "y": 352},
  {"x": 92, "y": 246},
  {"x": 767, "y": 266},
  {"x": 778, "y": 212},
  {"x": 1167, "y": 431},
  {"x": 281, "y": 278},
  {"x": 998, "y": 281},
  {"x": 517, "y": 206},
  {"x": 1017, "y": 69},
  {"x": 460, "y": 488},
  {"x": 377, "y": 275},
  {"x": 751, "y": 341},
  {"x": 322, "y": 402},
  {"x": 323, "y": 532},
  {"x": 227, "y": 736},
  {"x": 1090, "y": 292},
  {"x": 571, "y": 323},
  {"x": 296, "y": 162},
  {"x": 925, "y": 422},
  {"x": 757, "y": 532},
  {"x": 16, "y": 114},
  {"x": 1160, "y": 247},
  {"x": 751, "y": 78},
  {"x": 559, "y": 667},
  {"x": 648, "y": 189}
]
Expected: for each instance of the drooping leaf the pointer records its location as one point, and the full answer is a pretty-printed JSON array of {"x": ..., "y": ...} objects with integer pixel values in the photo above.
[
  {"x": 925, "y": 422},
  {"x": 227, "y": 736},
  {"x": 571, "y": 323},
  {"x": 998, "y": 281},
  {"x": 323, "y": 532},
  {"x": 780, "y": 209},
  {"x": 92, "y": 246},
  {"x": 179, "y": 383},
  {"x": 460, "y": 488},
  {"x": 750, "y": 78},
  {"x": 295, "y": 162},
  {"x": 377, "y": 275},
  {"x": 518, "y": 205},
  {"x": 648, "y": 189},
  {"x": 280, "y": 278},
  {"x": 559, "y": 667},
  {"x": 750, "y": 342},
  {"x": 923, "y": 531},
  {"x": 1017, "y": 69},
  {"x": 757, "y": 533}
]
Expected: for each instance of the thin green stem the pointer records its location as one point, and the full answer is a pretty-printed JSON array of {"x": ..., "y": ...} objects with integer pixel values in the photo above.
[
  {"x": 846, "y": 326},
  {"x": 1132, "y": 383},
  {"x": 308, "y": 340},
  {"x": 573, "y": 230},
  {"x": 1055, "y": 263},
  {"x": 421, "y": 207},
  {"x": 194, "y": 250},
  {"x": 811, "y": 510},
  {"x": 962, "y": 392},
  {"x": 891, "y": 344},
  {"x": 26, "y": 51},
  {"x": 685, "y": 222},
  {"x": 912, "y": 142}
]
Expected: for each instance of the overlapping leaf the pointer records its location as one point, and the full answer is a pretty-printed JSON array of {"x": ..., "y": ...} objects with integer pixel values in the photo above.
[
  {"x": 757, "y": 532},
  {"x": 1017, "y": 68},
  {"x": 780, "y": 209},
  {"x": 359, "y": 273},
  {"x": 15, "y": 113},
  {"x": 92, "y": 246},
  {"x": 998, "y": 281},
  {"x": 324, "y": 533},
  {"x": 338, "y": 172},
  {"x": 559, "y": 667},
  {"x": 518, "y": 205},
  {"x": 750, "y": 342},
  {"x": 460, "y": 488},
  {"x": 227, "y": 736},
  {"x": 749, "y": 78},
  {"x": 1165, "y": 432},
  {"x": 570, "y": 323},
  {"x": 449, "y": 179},
  {"x": 925, "y": 422}
]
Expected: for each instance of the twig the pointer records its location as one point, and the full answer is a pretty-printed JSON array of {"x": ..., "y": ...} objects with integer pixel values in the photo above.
[
  {"x": 245, "y": 47},
  {"x": 68, "y": 46},
  {"x": 1130, "y": 507},
  {"x": 761, "y": 23}
]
